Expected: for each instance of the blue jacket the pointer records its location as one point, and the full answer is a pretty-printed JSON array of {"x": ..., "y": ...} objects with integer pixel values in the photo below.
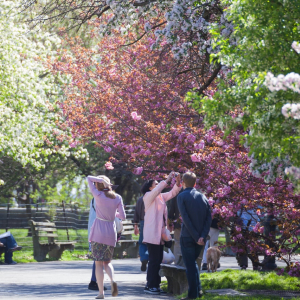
[{"x": 195, "y": 212}]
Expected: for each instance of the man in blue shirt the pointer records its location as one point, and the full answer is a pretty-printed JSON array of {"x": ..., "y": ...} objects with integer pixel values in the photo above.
[{"x": 196, "y": 220}]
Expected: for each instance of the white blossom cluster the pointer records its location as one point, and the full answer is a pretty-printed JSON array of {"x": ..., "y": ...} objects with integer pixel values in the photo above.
[
  {"x": 284, "y": 82},
  {"x": 269, "y": 170},
  {"x": 296, "y": 46},
  {"x": 294, "y": 172},
  {"x": 28, "y": 93},
  {"x": 183, "y": 18},
  {"x": 291, "y": 110}
]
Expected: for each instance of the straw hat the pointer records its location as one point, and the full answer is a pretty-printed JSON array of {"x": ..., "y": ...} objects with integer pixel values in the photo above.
[{"x": 106, "y": 182}]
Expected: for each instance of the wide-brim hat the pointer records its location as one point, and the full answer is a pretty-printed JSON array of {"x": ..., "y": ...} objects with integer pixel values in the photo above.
[{"x": 106, "y": 182}]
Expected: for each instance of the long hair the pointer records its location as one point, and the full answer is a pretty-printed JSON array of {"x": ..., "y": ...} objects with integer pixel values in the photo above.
[{"x": 100, "y": 187}]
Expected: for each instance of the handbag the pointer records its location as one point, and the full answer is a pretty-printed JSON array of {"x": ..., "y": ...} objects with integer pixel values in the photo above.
[
  {"x": 168, "y": 257},
  {"x": 119, "y": 225},
  {"x": 166, "y": 235}
]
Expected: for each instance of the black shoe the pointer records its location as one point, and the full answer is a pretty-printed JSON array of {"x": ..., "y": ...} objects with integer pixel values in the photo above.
[
  {"x": 243, "y": 268},
  {"x": 144, "y": 265},
  {"x": 152, "y": 291},
  {"x": 219, "y": 266},
  {"x": 204, "y": 266},
  {"x": 18, "y": 248},
  {"x": 94, "y": 286},
  {"x": 11, "y": 263}
]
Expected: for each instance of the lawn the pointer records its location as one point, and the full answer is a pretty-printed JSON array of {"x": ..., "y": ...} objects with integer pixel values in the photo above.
[
  {"x": 245, "y": 280},
  {"x": 26, "y": 254},
  {"x": 221, "y": 297},
  {"x": 248, "y": 280},
  {"x": 79, "y": 253}
]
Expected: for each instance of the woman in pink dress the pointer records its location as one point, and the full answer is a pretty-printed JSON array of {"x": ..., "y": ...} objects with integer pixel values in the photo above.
[{"x": 103, "y": 235}]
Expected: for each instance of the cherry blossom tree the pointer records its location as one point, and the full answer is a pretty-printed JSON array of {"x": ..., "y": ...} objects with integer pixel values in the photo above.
[
  {"x": 180, "y": 28},
  {"x": 134, "y": 109}
]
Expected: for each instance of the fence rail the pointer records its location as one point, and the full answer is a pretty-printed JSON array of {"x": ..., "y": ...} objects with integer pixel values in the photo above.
[{"x": 71, "y": 221}]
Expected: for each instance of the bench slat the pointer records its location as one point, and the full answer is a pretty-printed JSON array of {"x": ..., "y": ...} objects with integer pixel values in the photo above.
[
  {"x": 126, "y": 222},
  {"x": 43, "y": 224},
  {"x": 65, "y": 243},
  {"x": 127, "y": 232},
  {"x": 45, "y": 229},
  {"x": 128, "y": 227},
  {"x": 47, "y": 234}
]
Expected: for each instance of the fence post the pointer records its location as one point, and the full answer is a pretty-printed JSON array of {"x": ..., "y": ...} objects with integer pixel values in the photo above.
[
  {"x": 63, "y": 205},
  {"x": 7, "y": 214}
]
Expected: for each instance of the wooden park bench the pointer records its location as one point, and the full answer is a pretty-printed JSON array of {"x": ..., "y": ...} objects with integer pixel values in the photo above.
[
  {"x": 52, "y": 247},
  {"x": 176, "y": 275},
  {"x": 126, "y": 244}
]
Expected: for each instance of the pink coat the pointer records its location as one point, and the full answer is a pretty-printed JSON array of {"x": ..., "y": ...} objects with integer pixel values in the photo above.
[{"x": 155, "y": 208}]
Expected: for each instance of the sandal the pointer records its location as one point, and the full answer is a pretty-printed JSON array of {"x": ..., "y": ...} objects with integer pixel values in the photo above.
[{"x": 114, "y": 289}]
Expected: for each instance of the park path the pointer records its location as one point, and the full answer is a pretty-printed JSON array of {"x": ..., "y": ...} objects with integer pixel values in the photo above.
[{"x": 69, "y": 280}]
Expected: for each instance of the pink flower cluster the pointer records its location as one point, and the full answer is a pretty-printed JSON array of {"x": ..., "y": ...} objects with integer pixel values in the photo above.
[
  {"x": 135, "y": 116},
  {"x": 109, "y": 166},
  {"x": 293, "y": 270},
  {"x": 138, "y": 171}
]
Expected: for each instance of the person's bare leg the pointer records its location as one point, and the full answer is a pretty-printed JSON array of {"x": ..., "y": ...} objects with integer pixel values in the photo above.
[
  {"x": 109, "y": 269},
  {"x": 100, "y": 276}
]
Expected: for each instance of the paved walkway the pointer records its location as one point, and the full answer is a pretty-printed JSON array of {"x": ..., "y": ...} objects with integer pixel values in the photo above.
[{"x": 69, "y": 280}]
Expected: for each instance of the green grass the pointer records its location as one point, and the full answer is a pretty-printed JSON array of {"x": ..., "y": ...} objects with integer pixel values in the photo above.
[
  {"x": 209, "y": 296},
  {"x": 244, "y": 280},
  {"x": 79, "y": 253},
  {"x": 26, "y": 254},
  {"x": 223, "y": 297},
  {"x": 248, "y": 280}
]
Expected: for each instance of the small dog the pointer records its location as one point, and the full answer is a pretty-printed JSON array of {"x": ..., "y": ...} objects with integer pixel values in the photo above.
[{"x": 213, "y": 255}]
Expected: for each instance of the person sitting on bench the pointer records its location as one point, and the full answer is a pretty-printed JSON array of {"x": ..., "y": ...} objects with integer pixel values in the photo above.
[{"x": 10, "y": 245}]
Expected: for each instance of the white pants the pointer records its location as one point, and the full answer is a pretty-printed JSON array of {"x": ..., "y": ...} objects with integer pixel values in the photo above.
[{"x": 214, "y": 235}]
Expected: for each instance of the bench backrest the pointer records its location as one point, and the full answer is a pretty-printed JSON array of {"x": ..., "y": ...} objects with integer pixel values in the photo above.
[
  {"x": 43, "y": 229},
  {"x": 128, "y": 230},
  {"x": 129, "y": 210}
]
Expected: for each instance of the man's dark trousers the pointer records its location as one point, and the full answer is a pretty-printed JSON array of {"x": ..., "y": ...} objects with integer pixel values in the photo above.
[
  {"x": 155, "y": 258},
  {"x": 190, "y": 252}
]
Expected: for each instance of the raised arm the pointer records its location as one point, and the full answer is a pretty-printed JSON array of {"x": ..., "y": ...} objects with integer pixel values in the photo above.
[
  {"x": 91, "y": 180},
  {"x": 175, "y": 190},
  {"x": 149, "y": 197},
  {"x": 186, "y": 219},
  {"x": 171, "y": 194},
  {"x": 120, "y": 211}
]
